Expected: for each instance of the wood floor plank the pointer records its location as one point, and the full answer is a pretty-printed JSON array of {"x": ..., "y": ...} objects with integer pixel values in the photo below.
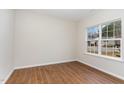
[{"x": 65, "y": 73}]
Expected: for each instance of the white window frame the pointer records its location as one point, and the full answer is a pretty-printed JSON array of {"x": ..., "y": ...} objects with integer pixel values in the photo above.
[{"x": 100, "y": 39}]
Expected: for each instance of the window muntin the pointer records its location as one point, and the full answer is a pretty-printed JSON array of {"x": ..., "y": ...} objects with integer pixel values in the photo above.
[{"x": 105, "y": 39}]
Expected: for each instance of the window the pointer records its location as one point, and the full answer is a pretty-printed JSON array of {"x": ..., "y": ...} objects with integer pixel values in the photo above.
[
  {"x": 92, "y": 41},
  {"x": 105, "y": 39}
]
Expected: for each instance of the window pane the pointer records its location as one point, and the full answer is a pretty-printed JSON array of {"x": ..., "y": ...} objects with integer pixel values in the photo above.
[
  {"x": 89, "y": 35},
  {"x": 103, "y": 52},
  {"x": 110, "y": 34},
  {"x": 93, "y": 33},
  {"x": 88, "y": 46},
  {"x": 110, "y": 43},
  {"x": 118, "y": 29},
  {"x": 96, "y": 47},
  {"x": 110, "y": 47},
  {"x": 113, "y": 48},
  {"x": 117, "y": 48},
  {"x": 116, "y": 52},
  {"x": 117, "y": 44},
  {"x": 110, "y": 30},
  {"x": 104, "y": 31},
  {"x": 92, "y": 46}
]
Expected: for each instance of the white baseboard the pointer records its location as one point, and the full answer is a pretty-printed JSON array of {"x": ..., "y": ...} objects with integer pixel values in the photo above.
[
  {"x": 58, "y": 62},
  {"x": 115, "y": 75},
  {"x": 7, "y": 77},
  {"x": 43, "y": 64}
]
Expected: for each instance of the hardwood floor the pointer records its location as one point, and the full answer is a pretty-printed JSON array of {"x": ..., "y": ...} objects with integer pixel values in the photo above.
[{"x": 65, "y": 73}]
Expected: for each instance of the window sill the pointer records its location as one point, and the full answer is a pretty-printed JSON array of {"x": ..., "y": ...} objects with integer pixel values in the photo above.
[{"x": 107, "y": 57}]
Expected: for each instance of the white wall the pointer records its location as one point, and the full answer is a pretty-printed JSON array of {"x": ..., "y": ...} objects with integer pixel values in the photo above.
[
  {"x": 111, "y": 66},
  {"x": 6, "y": 43},
  {"x": 41, "y": 39}
]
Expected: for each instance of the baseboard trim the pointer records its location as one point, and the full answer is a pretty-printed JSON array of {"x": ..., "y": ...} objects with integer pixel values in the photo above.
[
  {"x": 110, "y": 73},
  {"x": 28, "y": 66},
  {"x": 44, "y": 64},
  {"x": 59, "y": 62},
  {"x": 7, "y": 77}
]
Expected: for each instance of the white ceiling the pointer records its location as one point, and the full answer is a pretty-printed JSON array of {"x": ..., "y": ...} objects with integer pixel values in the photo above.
[{"x": 70, "y": 14}]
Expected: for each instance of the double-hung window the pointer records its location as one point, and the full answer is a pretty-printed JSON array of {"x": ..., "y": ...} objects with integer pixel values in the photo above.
[{"x": 105, "y": 39}]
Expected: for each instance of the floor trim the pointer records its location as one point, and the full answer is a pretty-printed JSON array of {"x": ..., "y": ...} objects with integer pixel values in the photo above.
[
  {"x": 7, "y": 77},
  {"x": 21, "y": 67},
  {"x": 105, "y": 71},
  {"x": 59, "y": 62},
  {"x": 44, "y": 64}
]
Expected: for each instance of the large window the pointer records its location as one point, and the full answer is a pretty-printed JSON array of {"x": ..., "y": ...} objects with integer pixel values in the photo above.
[{"x": 105, "y": 39}]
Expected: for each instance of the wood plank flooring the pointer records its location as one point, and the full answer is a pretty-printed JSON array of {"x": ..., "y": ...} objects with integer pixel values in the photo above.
[{"x": 65, "y": 73}]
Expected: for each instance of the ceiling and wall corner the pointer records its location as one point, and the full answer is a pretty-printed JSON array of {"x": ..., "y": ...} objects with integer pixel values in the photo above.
[{"x": 67, "y": 14}]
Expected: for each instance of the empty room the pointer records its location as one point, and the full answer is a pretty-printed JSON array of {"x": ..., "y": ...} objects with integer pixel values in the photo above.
[{"x": 61, "y": 46}]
